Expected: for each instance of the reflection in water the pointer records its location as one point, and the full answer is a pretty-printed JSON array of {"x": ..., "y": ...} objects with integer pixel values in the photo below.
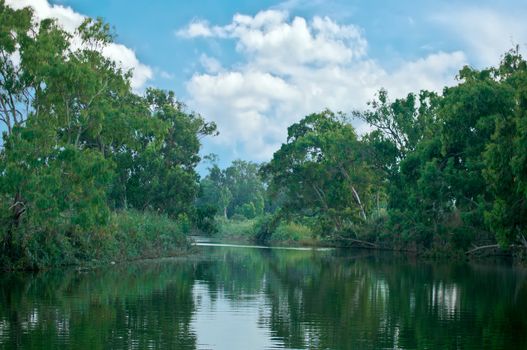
[{"x": 245, "y": 298}]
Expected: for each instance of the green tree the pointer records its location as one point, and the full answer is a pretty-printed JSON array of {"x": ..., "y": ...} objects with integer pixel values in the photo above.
[
  {"x": 323, "y": 173},
  {"x": 238, "y": 189},
  {"x": 505, "y": 159},
  {"x": 79, "y": 142}
]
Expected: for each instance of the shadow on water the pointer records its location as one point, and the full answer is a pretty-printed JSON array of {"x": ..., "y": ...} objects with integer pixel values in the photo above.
[{"x": 246, "y": 298}]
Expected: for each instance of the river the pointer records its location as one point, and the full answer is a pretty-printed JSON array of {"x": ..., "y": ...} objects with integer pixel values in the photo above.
[{"x": 244, "y": 297}]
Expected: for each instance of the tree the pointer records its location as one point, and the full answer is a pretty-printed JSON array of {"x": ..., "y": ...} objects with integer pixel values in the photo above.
[
  {"x": 162, "y": 176},
  {"x": 505, "y": 159},
  {"x": 237, "y": 189},
  {"x": 15, "y": 85},
  {"x": 323, "y": 173},
  {"x": 80, "y": 142}
]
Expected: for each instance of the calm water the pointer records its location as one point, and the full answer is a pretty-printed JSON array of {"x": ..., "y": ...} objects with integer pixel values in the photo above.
[{"x": 248, "y": 298}]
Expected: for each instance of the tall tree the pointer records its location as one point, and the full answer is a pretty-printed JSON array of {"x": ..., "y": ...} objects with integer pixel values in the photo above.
[{"x": 323, "y": 172}]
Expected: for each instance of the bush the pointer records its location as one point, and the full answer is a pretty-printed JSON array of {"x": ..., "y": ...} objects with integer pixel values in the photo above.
[
  {"x": 129, "y": 235},
  {"x": 292, "y": 231},
  {"x": 147, "y": 235},
  {"x": 236, "y": 228},
  {"x": 265, "y": 227},
  {"x": 246, "y": 210},
  {"x": 204, "y": 219}
]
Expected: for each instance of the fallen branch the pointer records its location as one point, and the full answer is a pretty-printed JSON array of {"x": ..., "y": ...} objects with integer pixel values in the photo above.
[
  {"x": 482, "y": 247},
  {"x": 357, "y": 241},
  {"x": 523, "y": 245}
]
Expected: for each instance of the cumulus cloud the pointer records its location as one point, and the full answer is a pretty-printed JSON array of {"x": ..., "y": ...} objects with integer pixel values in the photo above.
[
  {"x": 196, "y": 29},
  {"x": 264, "y": 38},
  {"x": 292, "y": 67},
  {"x": 70, "y": 20}
]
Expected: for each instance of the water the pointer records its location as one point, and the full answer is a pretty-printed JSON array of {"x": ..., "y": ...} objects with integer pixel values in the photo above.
[{"x": 233, "y": 298}]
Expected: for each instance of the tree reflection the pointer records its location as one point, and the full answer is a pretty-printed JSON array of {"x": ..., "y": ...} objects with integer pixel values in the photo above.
[
  {"x": 147, "y": 305},
  {"x": 343, "y": 301},
  {"x": 302, "y": 299}
]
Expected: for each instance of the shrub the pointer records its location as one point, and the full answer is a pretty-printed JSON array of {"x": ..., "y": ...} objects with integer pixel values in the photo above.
[
  {"x": 204, "y": 219},
  {"x": 236, "y": 228},
  {"x": 292, "y": 231},
  {"x": 146, "y": 235}
]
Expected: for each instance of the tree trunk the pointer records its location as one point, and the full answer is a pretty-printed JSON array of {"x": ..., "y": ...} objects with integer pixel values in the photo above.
[
  {"x": 363, "y": 212},
  {"x": 355, "y": 193}
]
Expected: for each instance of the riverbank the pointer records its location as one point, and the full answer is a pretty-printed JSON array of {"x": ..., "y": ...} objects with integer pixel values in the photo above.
[
  {"x": 133, "y": 235},
  {"x": 129, "y": 235},
  {"x": 298, "y": 235}
]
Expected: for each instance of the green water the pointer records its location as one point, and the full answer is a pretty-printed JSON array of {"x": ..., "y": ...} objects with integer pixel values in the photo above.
[{"x": 248, "y": 298}]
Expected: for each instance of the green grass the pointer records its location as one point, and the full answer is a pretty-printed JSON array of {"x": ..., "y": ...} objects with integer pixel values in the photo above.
[
  {"x": 236, "y": 229},
  {"x": 246, "y": 230}
]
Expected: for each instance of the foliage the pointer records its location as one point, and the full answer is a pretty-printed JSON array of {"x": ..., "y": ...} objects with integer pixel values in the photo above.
[
  {"x": 78, "y": 142},
  {"x": 323, "y": 171},
  {"x": 147, "y": 235},
  {"x": 264, "y": 229},
  {"x": 236, "y": 229},
  {"x": 457, "y": 185},
  {"x": 235, "y": 190},
  {"x": 292, "y": 232},
  {"x": 436, "y": 171}
]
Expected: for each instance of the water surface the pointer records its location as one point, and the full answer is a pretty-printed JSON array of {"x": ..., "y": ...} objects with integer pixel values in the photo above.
[{"x": 228, "y": 297}]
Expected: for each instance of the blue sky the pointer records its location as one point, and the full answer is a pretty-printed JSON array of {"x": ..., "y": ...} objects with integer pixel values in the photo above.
[{"x": 255, "y": 67}]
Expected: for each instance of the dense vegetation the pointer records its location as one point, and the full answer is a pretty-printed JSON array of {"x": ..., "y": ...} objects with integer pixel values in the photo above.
[
  {"x": 436, "y": 172},
  {"x": 91, "y": 170},
  {"x": 78, "y": 143}
]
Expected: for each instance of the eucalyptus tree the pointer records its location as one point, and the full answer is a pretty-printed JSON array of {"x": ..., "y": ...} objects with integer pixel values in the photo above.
[{"x": 323, "y": 173}]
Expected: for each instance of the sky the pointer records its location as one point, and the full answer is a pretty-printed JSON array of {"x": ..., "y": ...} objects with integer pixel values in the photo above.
[{"x": 256, "y": 67}]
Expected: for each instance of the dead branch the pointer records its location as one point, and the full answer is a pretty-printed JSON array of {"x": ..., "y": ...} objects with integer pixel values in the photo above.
[
  {"x": 482, "y": 247},
  {"x": 354, "y": 240}
]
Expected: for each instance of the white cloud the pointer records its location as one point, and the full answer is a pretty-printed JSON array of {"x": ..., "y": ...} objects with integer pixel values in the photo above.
[
  {"x": 196, "y": 29},
  {"x": 277, "y": 43},
  {"x": 293, "y": 67},
  {"x": 210, "y": 64},
  {"x": 487, "y": 33},
  {"x": 70, "y": 20},
  {"x": 432, "y": 72}
]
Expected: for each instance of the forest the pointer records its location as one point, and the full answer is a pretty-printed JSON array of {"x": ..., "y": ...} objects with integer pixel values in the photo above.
[{"x": 92, "y": 171}]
